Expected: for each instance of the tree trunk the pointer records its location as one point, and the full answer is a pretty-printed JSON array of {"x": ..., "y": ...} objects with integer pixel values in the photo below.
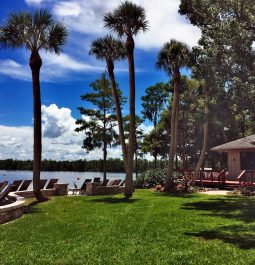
[
  {"x": 205, "y": 141},
  {"x": 169, "y": 177},
  {"x": 136, "y": 165},
  {"x": 104, "y": 147},
  {"x": 35, "y": 64},
  {"x": 110, "y": 67},
  {"x": 130, "y": 45},
  {"x": 176, "y": 132},
  {"x": 105, "y": 163}
]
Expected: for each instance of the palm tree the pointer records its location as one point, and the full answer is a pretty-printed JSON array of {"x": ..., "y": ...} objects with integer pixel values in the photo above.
[
  {"x": 34, "y": 32},
  {"x": 127, "y": 20},
  {"x": 173, "y": 56},
  {"x": 205, "y": 137},
  {"x": 109, "y": 50}
]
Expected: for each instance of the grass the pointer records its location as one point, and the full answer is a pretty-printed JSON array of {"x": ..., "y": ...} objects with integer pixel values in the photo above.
[{"x": 153, "y": 228}]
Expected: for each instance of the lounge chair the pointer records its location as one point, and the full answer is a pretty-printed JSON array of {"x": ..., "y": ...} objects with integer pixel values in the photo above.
[
  {"x": 25, "y": 184},
  {"x": 110, "y": 183},
  {"x": 5, "y": 193},
  {"x": 84, "y": 185},
  {"x": 15, "y": 185},
  {"x": 116, "y": 182},
  {"x": 51, "y": 183},
  {"x": 3, "y": 185},
  {"x": 82, "y": 189},
  {"x": 122, "y": 183},
  {"x": 96, "y": 180},
  {"x": 105, "y": 183},
  {"x": 42, "y": 183}
]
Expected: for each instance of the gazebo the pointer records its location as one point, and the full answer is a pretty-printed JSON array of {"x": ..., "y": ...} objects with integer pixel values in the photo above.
[{"x": 241, "y": 155}]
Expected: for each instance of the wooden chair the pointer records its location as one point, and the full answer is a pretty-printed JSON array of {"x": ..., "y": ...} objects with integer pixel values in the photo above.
[
  {"x": 3, "y": 185},
  {"x": 25, "y": 184},
  {"x": 122, "y": 183},
  {"x": 51, "y": 183},
  {"x": 15, "y": 185},
  {"x": 42, "y": 183},
  {"x": 84, "y": 185},
  {"x": 116, "y": 182},
  {"x": 97, "y": 180},
  {"x": 110, "y": 183},
  {"x": 82, "y": 189},
  {"x": 5, "y": 193}
]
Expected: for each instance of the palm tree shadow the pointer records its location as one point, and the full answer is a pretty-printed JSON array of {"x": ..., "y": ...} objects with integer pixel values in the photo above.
[
  {"x": 31, "y": 208},
  {"x": 112, "y": 200},
  {"x": 241, "y": 236},
  {"x": 176, "y": 194},
  {"x": 234, "y": 208}
]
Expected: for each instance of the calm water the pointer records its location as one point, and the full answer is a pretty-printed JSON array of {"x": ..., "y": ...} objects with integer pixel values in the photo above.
[{"x": 70, "y": 177}]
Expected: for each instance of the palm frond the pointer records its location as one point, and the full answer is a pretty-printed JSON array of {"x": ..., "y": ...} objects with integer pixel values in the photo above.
[
  {"x": 172, "y": 56},
  {"x": 127, "y": 19},
  {"x": 33, "y": 31},
  {"x": 16, "y": 32},
  {"x": 108, "y": 49},
  {"x": 57, "y": 37},
  {"x": 42, "y": 18}
]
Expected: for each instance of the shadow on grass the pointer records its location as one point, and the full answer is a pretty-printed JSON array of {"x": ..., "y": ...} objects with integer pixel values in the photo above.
[
  {"x": 31, "y": 208},
  {"x": 177, "y": 194},
  {"x": 241, "y": 236},
  {"x": 236, "y": 208},
  {"x": 115, "y": 200}
]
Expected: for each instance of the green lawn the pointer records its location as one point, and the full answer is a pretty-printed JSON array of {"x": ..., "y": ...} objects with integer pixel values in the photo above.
[{"x": 153, "y": 228}]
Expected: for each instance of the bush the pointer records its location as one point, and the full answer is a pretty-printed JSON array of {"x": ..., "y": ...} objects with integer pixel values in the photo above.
[
  {"x": 247, "y": 189},
  {"x": 183, "y": 184},
  {"x": 155, "y": 178},
  {"x": 151, "y": 178}
]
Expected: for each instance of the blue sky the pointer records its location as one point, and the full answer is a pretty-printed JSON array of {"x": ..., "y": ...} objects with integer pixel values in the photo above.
[{"x": 64, "y": 78}]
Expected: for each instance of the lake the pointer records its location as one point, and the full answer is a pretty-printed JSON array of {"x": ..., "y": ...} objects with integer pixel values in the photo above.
[{"x": 70, "y": 177}]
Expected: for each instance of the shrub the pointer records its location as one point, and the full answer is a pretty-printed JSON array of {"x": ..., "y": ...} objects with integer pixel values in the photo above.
[
  {"x": 151, "y": 178},
  {"x": 155, "y": 178},
  {"x": 247, "y": 189}
]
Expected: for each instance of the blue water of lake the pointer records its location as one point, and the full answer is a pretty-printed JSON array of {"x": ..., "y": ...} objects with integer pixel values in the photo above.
[{"x": 70, "y": 177}]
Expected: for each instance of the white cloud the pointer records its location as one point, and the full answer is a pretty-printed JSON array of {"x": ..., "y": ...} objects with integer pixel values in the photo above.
[
  {"x": 56, "y": 121},
  {"x": 86, "y": 18},
  {"x": 60, "y": 141},
  {"x": 55, "y": 67},
  {"x": 164, "y": 24},
  {"x": 13, "y": 69},
  {"x": 37, "y": 2},
  {"x": 67, "y": 9},
  {"x": 164, "y": 21},
  {"x": 66, "y": 62},
  {"x": 145, "y": 128},
  {"x": 15, "y": 142},
  {"x": 33, "y": 2}
]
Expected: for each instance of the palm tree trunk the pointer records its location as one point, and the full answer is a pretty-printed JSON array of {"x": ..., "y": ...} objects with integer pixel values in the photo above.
[
  {"x": 176, "y": 132},
  {"x": 35, "y": 65},
  {"x": 155, "y": 161},
  {"x": 110, "y": 67},
  {"x": 104, "y": 148},
  {"x": 205, "y": 141},
  {"x": 130, "y": 45},
  {"x": 105, "y": 163},
  {"x": 136, "y": 165},
  {"x": 169, "y": 177}
]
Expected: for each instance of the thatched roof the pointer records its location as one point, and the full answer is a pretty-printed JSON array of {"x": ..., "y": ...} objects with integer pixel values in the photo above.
[{"x": 247, "y": 143}]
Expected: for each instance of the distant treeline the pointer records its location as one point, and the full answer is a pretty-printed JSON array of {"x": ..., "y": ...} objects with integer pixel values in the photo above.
[{"x": 113, "y": 165}]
